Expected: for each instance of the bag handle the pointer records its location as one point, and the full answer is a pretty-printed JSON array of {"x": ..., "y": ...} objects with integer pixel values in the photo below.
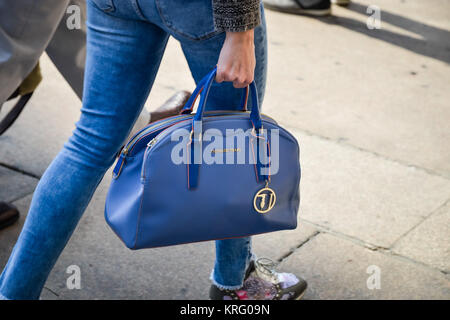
[
  {"x": 194, "y": 145},
  {"x": 255, "y": 115},
  {"x": 191, "y": 101},
  {"x": 189, "y": 105}
]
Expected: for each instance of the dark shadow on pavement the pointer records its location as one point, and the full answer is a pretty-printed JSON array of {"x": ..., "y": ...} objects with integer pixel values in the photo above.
[{"x": 434, "y": 42}]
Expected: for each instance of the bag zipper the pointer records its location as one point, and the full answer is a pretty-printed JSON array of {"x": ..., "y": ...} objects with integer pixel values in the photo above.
[
  {"x": 140, "y": 134},
  {"x": 149, "y": 146},
  {"x": 130, "y": 144},
  {"x": 152, "y": 142}
]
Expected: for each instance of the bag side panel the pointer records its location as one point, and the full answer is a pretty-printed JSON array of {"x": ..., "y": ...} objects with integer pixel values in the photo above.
[{"x": 123, "y": 201}]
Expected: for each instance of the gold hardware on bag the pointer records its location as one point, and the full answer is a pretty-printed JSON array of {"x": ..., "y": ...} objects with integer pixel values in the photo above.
[
  {"x": 264, "y": 199},
  {"x": 151, "y": 143},
  {"x": 200, "y": 136}
]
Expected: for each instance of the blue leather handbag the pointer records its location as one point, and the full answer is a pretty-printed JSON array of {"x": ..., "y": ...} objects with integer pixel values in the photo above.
[{"x": 155, "y": 199}]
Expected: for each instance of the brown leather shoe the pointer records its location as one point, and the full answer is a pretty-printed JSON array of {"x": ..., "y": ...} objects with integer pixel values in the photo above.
[
  {"x": 8, "y": 214},
  {"x": 171, "y": 107}
]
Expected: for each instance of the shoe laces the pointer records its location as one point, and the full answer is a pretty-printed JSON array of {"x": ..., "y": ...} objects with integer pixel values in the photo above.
[{"x": 266, "y": 267}]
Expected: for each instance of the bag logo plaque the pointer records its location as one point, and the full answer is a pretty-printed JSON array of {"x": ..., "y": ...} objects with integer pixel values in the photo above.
[{"x": 264, "y": 200}]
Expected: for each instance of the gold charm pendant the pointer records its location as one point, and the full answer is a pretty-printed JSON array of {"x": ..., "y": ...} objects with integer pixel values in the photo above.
[{"x": 264, "y": 199}]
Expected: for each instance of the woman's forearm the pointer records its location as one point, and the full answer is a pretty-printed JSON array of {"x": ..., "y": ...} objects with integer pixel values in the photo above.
[{"x": 237, "y": 59}]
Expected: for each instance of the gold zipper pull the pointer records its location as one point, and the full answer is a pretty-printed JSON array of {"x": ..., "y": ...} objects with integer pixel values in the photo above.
[{"x": 151, "y": 143}]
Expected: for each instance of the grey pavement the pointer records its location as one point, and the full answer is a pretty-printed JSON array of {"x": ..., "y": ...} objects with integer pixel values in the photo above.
[{"x": 371, "y": 111}]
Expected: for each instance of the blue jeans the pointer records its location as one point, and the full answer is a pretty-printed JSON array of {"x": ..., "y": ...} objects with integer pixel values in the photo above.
[{"x": 125, "y": 43}]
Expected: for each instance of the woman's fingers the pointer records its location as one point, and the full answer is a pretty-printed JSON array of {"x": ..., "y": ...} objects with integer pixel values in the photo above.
[
  {"x": 240, "y": 78},
  {"x": 220, "y": 75},
  {"x": 245, "y": 79}
]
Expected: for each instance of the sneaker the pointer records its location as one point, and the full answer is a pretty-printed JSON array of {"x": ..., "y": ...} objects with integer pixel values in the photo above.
[
  {"x": 307, "y": 7},
  {"x": 340, "y": 2},
  {"x": 263, "y": 283}
]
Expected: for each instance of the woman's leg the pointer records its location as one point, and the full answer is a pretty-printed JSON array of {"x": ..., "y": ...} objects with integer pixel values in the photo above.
[
  {"x": 232, "y": 255},
  {"x": 123, "y": 56}
]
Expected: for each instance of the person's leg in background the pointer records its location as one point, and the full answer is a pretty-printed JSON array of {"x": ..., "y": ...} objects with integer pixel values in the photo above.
[
  {"x": 25, "y": 30},
  {"x": 67, "y": 48},
  {"x": 20, "y": 49},
  {"x": 122, "y": 61}
]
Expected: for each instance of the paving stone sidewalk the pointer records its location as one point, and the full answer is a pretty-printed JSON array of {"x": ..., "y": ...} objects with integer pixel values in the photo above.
[{"x": 371, "y": 110}]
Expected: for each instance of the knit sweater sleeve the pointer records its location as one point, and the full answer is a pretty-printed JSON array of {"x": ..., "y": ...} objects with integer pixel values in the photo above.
[{"x": 236, "y": 15}]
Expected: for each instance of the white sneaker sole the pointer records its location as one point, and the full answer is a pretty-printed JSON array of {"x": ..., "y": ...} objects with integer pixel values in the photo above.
[
  {"x": 341, "y": 2},
  {"x": 316, "y": 13}
]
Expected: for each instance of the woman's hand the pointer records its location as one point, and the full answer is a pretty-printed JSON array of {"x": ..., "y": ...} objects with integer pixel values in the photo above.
[{"x": 237, "y": 59}]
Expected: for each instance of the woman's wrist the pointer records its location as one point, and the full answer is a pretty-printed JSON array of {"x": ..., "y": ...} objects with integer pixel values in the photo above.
[
  {"x": 237, "y": 59},
  {"x": 242, "y": 36}
]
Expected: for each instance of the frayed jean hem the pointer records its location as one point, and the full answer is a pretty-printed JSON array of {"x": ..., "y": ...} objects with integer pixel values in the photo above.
[
  {"x": 253, "y": 257},
  {"x": 222, "y": 287}
]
